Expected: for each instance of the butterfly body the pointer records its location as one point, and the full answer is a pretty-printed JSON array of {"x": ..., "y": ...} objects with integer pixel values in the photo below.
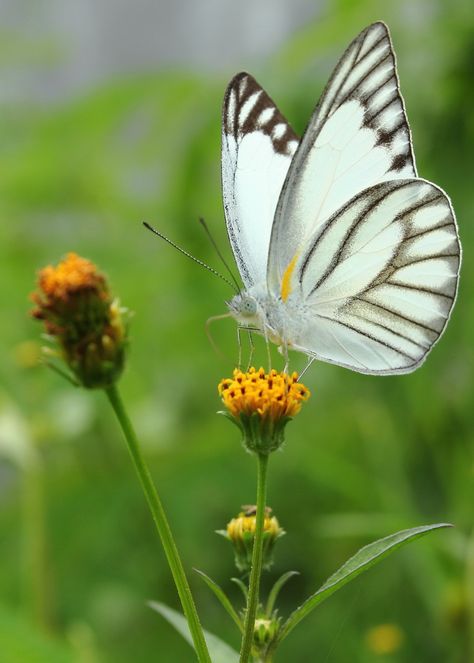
[
  {"x": 345, "y": 253},
  {"x": 278, "y": 321}
]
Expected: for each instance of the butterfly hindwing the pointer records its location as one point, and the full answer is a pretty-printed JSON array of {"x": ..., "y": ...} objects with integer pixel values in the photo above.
[
  {"x": 379, "y": 280},
  {"x": 257, "y": 147},
  {"x": 358, "y": 136}
]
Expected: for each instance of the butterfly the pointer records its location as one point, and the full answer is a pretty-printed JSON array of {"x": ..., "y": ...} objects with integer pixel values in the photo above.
[{"x": 346, "y": 255}]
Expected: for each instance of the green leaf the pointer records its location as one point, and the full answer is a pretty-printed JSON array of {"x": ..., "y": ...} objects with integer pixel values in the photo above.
[
  {"x": 225, "y": 602},
  {"x": 360, "y": 562},
  {"x": 272, "y": 597},
  {"x": 219, "y": 650}
]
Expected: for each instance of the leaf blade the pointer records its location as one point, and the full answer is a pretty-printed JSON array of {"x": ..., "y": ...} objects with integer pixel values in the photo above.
[
  {"x": 363, "y": 559},
  {"x": 219, "y": 650},
  {"x": 222, "y": 597}
]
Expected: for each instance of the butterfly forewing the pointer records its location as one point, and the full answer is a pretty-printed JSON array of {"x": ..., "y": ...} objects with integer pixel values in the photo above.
[
  {"x": 257, "y": 147},
  {"x": 358, "y": 136},
  {"x": 379, "y": 280}
]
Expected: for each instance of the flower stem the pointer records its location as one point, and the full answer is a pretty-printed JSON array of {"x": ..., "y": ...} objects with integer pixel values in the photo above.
[
  {"x": 257, "y": 556},
  {"x": 162, "y": 526}
]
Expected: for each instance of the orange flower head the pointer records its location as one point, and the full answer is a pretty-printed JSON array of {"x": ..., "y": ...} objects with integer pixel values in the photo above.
[
  {"x": 74, "y": 302},
  {"x": 262, "y": 404},
  {"x": 71, "y": 275}
]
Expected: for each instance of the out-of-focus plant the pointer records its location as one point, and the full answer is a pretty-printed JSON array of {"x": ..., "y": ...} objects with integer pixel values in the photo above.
[{"x": 88, "y": 331}]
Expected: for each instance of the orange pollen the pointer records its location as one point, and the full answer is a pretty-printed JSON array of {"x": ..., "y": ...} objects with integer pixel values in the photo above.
[
  {"x": 275, "y": 395},
  {"x": 70, "y": 275}
]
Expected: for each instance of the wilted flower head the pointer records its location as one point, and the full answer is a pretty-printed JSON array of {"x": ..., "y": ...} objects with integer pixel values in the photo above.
[
  {"x": 78, "y": 311},
  {"x": 240, "y": 532},
  {"x": 261, "y": 404}
]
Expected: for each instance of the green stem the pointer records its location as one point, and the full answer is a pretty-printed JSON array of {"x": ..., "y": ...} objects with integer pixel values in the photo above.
[
  {"x": 162, "y": 526},
  {"x": 34, "y": 536},
  {"x": 257, "y": 557}
]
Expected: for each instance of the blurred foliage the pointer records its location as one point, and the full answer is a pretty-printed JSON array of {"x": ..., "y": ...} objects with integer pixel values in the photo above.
[{"x": 368, "y": 456}]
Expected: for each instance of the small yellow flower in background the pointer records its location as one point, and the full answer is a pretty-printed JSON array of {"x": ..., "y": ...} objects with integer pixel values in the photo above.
[
  {"x": 75, "y": 304},
  {"x": 240, "y": 531},
  {"x": 261, "y": 404},
  {"x": 384, "y": 638}
]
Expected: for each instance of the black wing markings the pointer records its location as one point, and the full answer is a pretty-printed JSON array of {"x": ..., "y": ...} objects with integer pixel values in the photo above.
[{"x": 242, "y": 88}]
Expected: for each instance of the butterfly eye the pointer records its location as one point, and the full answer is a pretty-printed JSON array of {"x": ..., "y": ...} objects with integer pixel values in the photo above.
[{"x": 248, "y": 306}]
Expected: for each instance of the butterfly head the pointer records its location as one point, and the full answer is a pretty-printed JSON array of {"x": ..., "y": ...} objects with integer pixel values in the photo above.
[{"x": 244, "y": 308}]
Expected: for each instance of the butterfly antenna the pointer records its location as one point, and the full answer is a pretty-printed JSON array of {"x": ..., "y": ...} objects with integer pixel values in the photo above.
[
  {"x": 219, "y": 252},
  {"x": 193, "y": 258}
]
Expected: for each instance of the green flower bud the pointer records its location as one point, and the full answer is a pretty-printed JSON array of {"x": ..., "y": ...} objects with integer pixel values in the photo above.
[{"x": 240, "y": 532}]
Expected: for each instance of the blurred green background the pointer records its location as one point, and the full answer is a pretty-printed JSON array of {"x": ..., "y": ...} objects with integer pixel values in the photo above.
[{"x": 79, "y": 557}]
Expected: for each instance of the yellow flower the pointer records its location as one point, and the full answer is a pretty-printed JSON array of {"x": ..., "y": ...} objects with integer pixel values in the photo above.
[
  {"x": 240, "y": 531},
  {"x": 245, "y": 523},
  {"x": 74, "y": 302},
  {"x": 261, "y": 404},
  {"x": 384, "y": 638}
]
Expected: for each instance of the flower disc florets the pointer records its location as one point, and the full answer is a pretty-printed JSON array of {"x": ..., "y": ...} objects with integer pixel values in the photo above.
[
  {"x": 261, "y": 404},
  {"x": 240, "y": 532},
  {"x": 74, "y": 301}
]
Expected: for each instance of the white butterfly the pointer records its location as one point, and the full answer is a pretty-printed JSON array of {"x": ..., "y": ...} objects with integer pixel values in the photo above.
[{"x": 345, "y": 253}]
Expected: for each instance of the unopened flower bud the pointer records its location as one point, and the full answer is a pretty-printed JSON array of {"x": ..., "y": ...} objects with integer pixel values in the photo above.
[
  {"x": 265, "y": 632},
  {"x": 240, "y": 532}
]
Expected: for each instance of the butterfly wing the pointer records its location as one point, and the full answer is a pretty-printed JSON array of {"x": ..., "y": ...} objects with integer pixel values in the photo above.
[
  {"x": 257, "y": 147},
  {"x": 358, "y": 136},
  {"x": 379, "y": 302}
]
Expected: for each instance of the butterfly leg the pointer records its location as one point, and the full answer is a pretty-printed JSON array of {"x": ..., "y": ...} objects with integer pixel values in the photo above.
[
  {"x": 249, "y": 330},
  {"x": 310, "y": 361},
  {"x": 208, "y": 331},
  {"x": 252, "y": 348},
  {"x": 284, "y": 352},
  {"x": 239, "y": 343},
  {"x": 269, "y": 356}
]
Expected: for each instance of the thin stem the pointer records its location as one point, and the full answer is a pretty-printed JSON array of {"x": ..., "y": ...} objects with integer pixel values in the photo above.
[
  {"x": 162, "y": 526},
  {"x": 257, "y": 557},
  {"x": 35, "y": 555}
]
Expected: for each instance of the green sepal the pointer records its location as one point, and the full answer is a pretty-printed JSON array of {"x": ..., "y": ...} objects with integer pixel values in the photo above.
[
  {"x": 275, "y": 590},
  {"x": 59, "y": 370},
  {"x": 222, "y": 597},
  {"x": 260, "y": 435},
  {"x": 242, "y": 586}
]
